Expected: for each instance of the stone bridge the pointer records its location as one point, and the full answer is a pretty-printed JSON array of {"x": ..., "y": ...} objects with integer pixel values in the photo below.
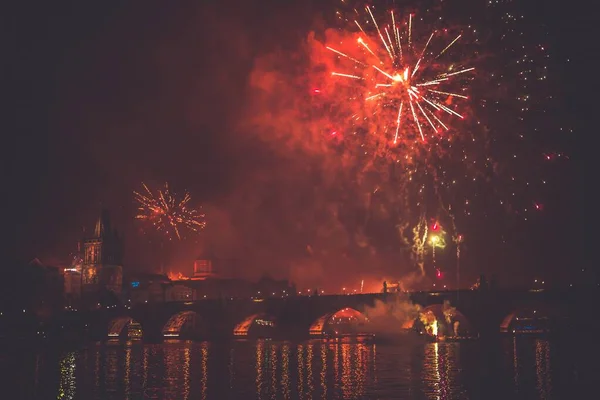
[{"x": 480, "y": 312}]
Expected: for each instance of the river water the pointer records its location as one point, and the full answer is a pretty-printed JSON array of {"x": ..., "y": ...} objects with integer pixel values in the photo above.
[{"x": 511, "y": 368}]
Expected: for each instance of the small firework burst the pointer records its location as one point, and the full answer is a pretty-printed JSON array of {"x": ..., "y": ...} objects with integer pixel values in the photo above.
[{"x": 168, "y": 213}]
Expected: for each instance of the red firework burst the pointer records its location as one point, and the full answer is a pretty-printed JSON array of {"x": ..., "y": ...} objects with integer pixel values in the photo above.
[{"x": 397, "y": 82}]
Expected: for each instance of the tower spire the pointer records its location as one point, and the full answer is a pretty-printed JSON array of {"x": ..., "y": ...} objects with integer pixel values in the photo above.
[{"x": 103, "y": 224}]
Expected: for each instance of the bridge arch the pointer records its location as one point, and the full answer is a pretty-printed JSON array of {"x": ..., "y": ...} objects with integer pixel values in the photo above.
[
  {"x": 440, "y": 320},
  {"x": 345, "y": 322},
  {"x": 124, "y": 327},
  {"x": 261, "y": 325},
  {"x": 530, "y": 320},
  {"x": 184, "y": 325}
]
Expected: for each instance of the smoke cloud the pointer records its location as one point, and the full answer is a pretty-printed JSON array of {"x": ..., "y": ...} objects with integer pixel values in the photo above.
[{"x": 392, "y": 317}]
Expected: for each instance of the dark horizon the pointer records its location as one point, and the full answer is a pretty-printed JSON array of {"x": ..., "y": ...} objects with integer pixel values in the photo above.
[{"x": 109, "y": 96}]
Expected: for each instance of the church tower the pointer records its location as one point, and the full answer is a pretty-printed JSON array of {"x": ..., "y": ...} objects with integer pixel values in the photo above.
[{"x": 102, "y": 258}]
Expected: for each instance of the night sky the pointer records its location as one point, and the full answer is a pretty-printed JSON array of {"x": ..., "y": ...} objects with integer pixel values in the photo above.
[{"x": 106, "y": 96}]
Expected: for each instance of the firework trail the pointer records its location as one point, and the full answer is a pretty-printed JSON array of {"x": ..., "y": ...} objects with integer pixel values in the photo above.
[
  {"x": 167, "y": 212},
  {"x": 419, "y": 241}
]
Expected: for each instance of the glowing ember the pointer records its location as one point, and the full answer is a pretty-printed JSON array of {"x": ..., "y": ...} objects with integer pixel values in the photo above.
[{"x": 177, "y": 276}]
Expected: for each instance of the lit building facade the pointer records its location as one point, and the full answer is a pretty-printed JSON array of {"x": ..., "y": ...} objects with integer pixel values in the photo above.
[
  {"x": 207, "y": 282},
  {"x": 203, "y": 269},
  {"x": 102, "y": 258}
]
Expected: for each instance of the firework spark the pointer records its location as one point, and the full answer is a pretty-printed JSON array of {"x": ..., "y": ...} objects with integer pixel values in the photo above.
[
  {"x": 167, "y": 212},
  {"x": 402, "y": 80}
]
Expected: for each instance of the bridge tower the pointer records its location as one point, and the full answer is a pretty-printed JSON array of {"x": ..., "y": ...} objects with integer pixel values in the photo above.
[{"x": 102, "y": 258}]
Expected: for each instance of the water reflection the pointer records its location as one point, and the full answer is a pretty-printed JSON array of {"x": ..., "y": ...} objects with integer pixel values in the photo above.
[
  {"x": 259, "y": 367},
  {"x": 542, "y": 368},
  {"x": 97, "y": 369},
  {"x": 145, "y": 364},
  {"x": 204, "y": 379},
  {"x": 324, "y": 371},
  {"x": 441, "y": 371},
  {"x": 112, "y": 371},
  {"x": 308, "y": 370},
  {"x": 267, "y": 385},
  {"x": 336, "y": 364},
  {"x": 231, "y": 368},
  {"x": 360, "y": 366},
  {"x": 273, "y": 371},
  {"x": 186, "y": 372},
  {"x": 431, "y": 371},
  {"x": 285, "y": 370},
  {"x": 300, "y": 364},
  {"x": 347, "y": 377},
  {"x": 67, "y": 385},
  {"x": 515, "y": 364},
  {"x": 373, "y": 361},
  {"x": 127, "y": 373},
  {"x": 532, "y": 367}
]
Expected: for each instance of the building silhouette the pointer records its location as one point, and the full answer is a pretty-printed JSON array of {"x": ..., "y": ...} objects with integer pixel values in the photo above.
[
  {"x": 102, "y": 258},
  {"x": 205, "y": 266}
]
